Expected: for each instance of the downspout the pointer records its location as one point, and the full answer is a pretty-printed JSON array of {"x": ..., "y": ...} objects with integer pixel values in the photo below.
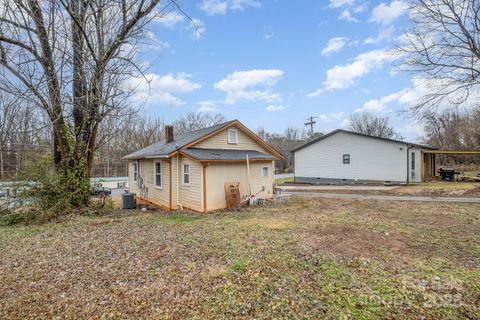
[
  {"x": 248, "y": 177},
  {"x": 409, "y": 147},
  {"x": 178, "y": 181}
]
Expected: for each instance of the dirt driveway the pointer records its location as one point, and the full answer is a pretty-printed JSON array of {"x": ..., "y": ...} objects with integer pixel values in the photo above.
[
  {"x": 305, "y": 188},
  {"x": 356, "y": 196}
]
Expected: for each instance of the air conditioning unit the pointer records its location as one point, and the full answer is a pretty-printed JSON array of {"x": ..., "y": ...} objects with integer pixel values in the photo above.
[{"x": 129, "y": 201}]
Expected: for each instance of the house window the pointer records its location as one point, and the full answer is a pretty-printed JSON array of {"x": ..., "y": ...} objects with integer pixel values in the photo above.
[
  {"x": 346, "y": 159},
  {"x": 186, "y": 174},
  {"x": 265, "y": 171},
  {"x": 158, "y": 174},
  {"x": 413, "y": 160},
  {"x": 135, "y": 171},
  {"x": 232, "y": 136}
]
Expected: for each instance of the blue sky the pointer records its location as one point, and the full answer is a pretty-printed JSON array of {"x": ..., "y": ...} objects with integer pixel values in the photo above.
[{"x": 272, "y": 63}]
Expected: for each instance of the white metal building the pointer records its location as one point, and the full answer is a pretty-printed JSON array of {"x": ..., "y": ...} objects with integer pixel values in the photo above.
[{"x": 345, "y": 156}]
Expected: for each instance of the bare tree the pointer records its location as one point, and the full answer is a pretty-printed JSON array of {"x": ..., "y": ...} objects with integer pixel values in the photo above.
[
  {"x": 284, "y": 143},
  {"x": 121, "y": 136},
  {"x": 71, "y": 58},
  {"x": 453, "y": 129},
  {"x": 368, "y": 123},
  {"x": 196, "y": 120},
  {"x": 23, "y": 133},
  {"x": 443, "y": 49}
]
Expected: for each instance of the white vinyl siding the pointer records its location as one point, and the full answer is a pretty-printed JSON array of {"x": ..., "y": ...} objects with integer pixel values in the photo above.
[
  {"x": 219, "y": 174},
  {"x": 370, "y": 159},
  {"x": 220, "y": 141}
]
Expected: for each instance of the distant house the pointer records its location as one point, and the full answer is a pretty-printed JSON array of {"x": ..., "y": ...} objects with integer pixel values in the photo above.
[
  {"x": 344, "y": 156},
  {"x": 190, "y": 171},
  {"x": 110, "y": 182}
]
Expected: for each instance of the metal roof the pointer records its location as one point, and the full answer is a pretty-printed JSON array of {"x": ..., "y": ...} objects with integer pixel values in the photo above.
[
  {"x": 161, "y": 149},
  {"x": 360, "y": 134},
  {"x": 226, "y": 154}
]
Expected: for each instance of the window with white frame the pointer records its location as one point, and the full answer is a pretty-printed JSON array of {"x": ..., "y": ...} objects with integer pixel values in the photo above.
[
  {"x": 265, "y": 171},
  {"x": 158, "y": 174},
  {"x": 186, "y": 173},
  {"x": 233, "y": 136},
  {"x": 135, "y": 171}
]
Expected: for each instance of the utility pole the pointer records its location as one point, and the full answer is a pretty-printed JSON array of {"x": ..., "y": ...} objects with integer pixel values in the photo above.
[{"x": 310, "y": 122}]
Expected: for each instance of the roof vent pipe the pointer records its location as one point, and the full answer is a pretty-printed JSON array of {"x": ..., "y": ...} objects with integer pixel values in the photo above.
[{"x": 168, "y": 134}]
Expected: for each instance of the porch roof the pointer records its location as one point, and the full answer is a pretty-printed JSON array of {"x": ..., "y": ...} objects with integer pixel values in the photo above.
[
  {"x": 454, "y": 152},
  {"x": 226, "y": 154}
]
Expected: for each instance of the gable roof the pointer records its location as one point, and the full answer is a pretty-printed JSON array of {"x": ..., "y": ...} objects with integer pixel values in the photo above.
[
  {"x": 164, "y": 150},
  {"x": 362, "y": 135}
]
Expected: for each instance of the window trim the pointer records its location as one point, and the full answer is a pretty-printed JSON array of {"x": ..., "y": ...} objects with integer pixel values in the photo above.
[
  {"x": 155, "y": 174},
  {"x": 183, "y": 174},
  {"x": 136, "y": 171},
  {"x": 346, "y": 158},
  {"x": 268, "y": 172},
  {"x": 236, "y": 136}
]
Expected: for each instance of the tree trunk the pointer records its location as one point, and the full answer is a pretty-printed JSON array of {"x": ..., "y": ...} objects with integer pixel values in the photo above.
[{"x": 2, "y": 168}]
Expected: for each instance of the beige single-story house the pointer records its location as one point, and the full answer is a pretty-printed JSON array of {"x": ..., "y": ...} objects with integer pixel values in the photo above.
[{"x": 190, "y": 171}]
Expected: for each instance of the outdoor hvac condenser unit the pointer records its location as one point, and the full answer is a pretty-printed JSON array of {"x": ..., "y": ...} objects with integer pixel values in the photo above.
[{"x": 129, "y": 201}]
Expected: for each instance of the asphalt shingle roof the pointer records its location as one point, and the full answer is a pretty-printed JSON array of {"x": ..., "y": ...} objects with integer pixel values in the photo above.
[
  {"x": 162, "y": 149},
  {"x": 224, "y": 154},
  {"x": 358, "y": 134}
]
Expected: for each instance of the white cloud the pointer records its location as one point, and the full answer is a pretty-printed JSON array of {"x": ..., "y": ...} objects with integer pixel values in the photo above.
[
  {"x": 334, "y": 45},
  {"x": 170, "y": 19},
  {"x": 341, "y": 3},
  {"x": 243, "y": 4},
  {"x": 198, "y": 28},
  {"x": 344, "y": 76},
  {"x": 380, "y": 105},
  {"x": 414, "y": 128},
  {"x": 220, "y": 7},
  {"x": 240, "y": 80},
  {"x": 338, "y": 115},
  {"x": 347, "y": 16},
  {"x": 161, "y": 89},
  {"x": 244, "y": 85},
  {"x": 360, "y": 8},
  {"x": 323, "y": 118},
  {"x": 275, "y": 108},
  {"x": 386, "y": 14},
  {"x": 384, "y": 33},
  {"x": 348, "y": 6},
  {"x": 207, "y": 109},
  {"x": 345, "y": 123},
  {"x": 269, "y": 35},
  {"x": 213, "y": 7}
]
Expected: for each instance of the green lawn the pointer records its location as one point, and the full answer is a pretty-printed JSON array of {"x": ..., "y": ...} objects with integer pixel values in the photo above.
[
  {"x": 309, "y": 259},
  {"x": 284, "y": 180},
  {"x": 440, "y": 188}
]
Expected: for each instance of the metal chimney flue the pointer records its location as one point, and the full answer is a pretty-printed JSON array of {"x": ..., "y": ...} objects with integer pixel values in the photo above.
[{"x": 168, "y": 134}]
